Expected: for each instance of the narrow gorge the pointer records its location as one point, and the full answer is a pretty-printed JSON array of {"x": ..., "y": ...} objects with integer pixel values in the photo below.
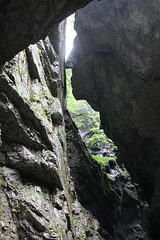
[{"x": 54, "y": 184}]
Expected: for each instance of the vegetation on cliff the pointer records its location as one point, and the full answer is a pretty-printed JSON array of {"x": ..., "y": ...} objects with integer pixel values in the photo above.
[
  {"x": 86, "y": 119},
  {"x": 88, "y": 122}
]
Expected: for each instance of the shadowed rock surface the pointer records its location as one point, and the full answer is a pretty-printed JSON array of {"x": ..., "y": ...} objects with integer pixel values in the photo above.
[
  {"x": 37, "y": 194},
  {"x": 50, "y": 187},
  {"x": 39, "y": 198},
  {"x": 116, "y": 65},
  {"x": 34, "y": 199},
  {"x": 108, "y": 193},
  {"x": 25, "y": 22}
]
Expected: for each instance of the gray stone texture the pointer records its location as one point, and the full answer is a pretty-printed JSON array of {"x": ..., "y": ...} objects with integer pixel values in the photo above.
[
  {"x": 51, "y": 188},
  {"x": 37, "y": 195},
  {"x": 109, "y": 194},
  {"x": 25, "y": 22},
  {"x": 115, "y": 65}
]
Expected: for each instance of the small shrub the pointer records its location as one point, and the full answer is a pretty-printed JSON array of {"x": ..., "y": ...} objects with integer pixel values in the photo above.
[
  {"x": 103, "y": 161},
  {"x": 74, "y": 221},
  {"x": 83, "y": 236}
]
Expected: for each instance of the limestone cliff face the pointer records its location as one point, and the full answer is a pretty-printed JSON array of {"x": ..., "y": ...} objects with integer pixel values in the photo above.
[
  {"x": 109, "y": 194},
  {"x": 116, "y": 65},
  {"x": 50, "y": 187},
  {"x": 35, "y": 203},
  {"x": 37, "y": 195}
]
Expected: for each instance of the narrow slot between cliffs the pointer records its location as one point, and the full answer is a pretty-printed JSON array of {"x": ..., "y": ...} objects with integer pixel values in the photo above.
[{"x": 99, "y": 146}]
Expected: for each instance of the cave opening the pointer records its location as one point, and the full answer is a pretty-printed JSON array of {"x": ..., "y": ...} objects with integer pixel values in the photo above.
[{"x": 70, "y": 34}]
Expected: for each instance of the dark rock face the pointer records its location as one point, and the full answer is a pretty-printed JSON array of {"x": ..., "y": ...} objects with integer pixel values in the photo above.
[
  {"x": 25, "y": 22},
  {"x": 116, "y": 66},
  {"x": 30, "y": 210},
  {"x": 37, "y": 195},
  {"x": 35, "y": 192},
  {"x": 112, "y": 198}
]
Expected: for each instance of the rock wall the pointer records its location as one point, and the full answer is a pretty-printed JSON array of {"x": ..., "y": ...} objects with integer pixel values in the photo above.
[
  {"x": 27, "y": 22},
  {"x": 50, "y": 187},
  {"x": 37, "y": 195},
  {"x": 109, "y": 194},
  {"x": 115, "y": 65},
  {"x": 35, "y": 203}
]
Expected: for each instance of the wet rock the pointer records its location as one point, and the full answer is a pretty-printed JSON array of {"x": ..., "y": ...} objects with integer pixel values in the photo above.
[
  {"x": 115, "y": 65},
  {"x": 34, "y": 214},
  {"x": 38, "y": 197},
  {"x": 35, "y": 177},
  {"x": 19, "y": 30},
  {"x": 41, "y": 165},
  {"x": 110, "y": 196},
  {"x": 35, "y": 65},
  {"x": 56, "y": 112},
  {"x": 112, "y": 164},
  {"x": 0, "y": 136}
]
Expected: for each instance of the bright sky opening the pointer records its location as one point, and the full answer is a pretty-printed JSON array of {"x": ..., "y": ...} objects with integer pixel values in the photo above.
[{"x": 70, "y": 34}]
